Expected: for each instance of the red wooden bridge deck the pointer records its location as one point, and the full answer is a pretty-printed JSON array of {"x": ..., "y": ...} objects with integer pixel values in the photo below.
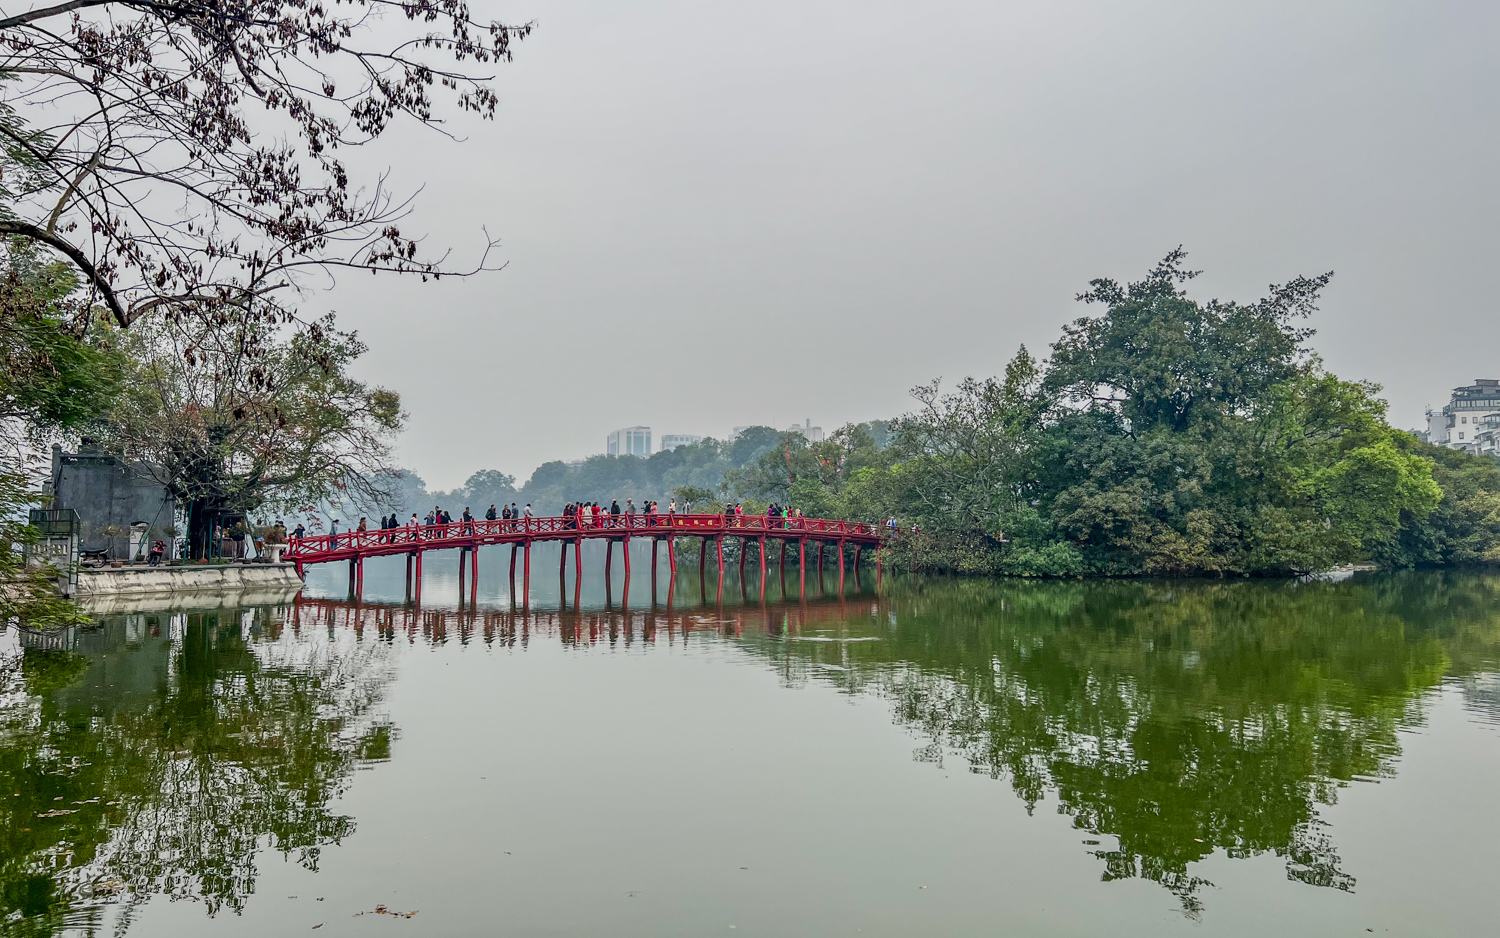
[{"x": 521, "y": 533}]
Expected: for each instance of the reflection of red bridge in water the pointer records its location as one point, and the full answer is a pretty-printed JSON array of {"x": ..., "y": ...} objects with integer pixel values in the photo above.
[
  {"x": 511, "y": 628},
  {"x": 521, "y": 533}
]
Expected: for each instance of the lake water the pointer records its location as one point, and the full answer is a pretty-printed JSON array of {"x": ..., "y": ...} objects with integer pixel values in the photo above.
[{"x": 944, "y": 758}]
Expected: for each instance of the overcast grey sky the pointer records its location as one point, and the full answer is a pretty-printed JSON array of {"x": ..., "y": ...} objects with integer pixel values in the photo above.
[{"x": 719, "y": 214}]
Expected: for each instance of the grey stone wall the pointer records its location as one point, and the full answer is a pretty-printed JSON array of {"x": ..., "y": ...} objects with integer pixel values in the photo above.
[{"x": 106, "y": 492}]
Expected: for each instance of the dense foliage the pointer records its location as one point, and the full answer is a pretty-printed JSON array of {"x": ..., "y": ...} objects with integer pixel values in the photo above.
[{"x": 1164, "y": 436}]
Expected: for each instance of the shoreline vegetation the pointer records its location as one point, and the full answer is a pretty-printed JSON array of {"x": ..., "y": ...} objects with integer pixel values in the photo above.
[{"x": 1163, "y": 436}]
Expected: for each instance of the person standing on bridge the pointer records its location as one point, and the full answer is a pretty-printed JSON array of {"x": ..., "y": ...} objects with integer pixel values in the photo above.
[
  {"x": 528, "y": 509},
  {"x": 468, "y": 522},
  {"x": 412, "y": 527},
  {"x": 490, "y": 515},
  {"x": 614, "y": 509},
  {"x": 299, "y": 532}
]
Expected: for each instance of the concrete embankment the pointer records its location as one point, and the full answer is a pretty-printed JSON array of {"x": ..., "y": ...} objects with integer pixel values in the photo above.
[{"x": 136, "y": 588}]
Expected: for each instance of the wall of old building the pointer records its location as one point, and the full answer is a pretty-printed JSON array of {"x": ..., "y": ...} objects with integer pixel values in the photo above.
[{"x": 109, "y": 493}]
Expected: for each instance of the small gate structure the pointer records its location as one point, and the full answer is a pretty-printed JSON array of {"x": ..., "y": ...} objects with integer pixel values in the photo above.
[{"x": 56, "y": 545}]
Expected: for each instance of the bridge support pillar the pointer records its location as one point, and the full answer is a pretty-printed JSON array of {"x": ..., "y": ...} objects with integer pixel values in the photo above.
[
  {"x": 526, "y": 576},
  {"x": 513, "y": 549},
  {"x": 744, "y": 544},
  {"x": 473, "y": 574},
  {"x": 761, "y": 544},
  {"x": 802, "y": 567},
  {"x": 408, "y": 576},
  {"x": 702, "y": 562},
  {"x": 417, "y": 586},
  {"x": 625, "y": 555},
  {"x": 841, "y": 566},
  {"x": 719, "y": 551},
  {"x": 654, "y": 552},
  {"x": 857, "y": 549},
  {"x": 609, "y": 558},
  {"x": 359, "y": 578},
  {"x": 577, "y": 571},
  {"x": 672, "y": 555}
]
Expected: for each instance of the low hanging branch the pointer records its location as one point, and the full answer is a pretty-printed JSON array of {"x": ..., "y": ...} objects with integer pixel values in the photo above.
[{"x": 184, "y": 154}]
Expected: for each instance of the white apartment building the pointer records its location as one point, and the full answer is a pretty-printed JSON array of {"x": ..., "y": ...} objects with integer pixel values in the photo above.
[
  {"x": 1459, "y": 424},
  {"x": 1487, "y": 437},
  {"x": 630, "y": 441},
  {"x": 670, "y": 441},
  {"x": 809, "y": 432}
]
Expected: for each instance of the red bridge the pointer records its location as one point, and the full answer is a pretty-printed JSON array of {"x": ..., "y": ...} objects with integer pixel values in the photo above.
[{"x": 520, "y": 533}]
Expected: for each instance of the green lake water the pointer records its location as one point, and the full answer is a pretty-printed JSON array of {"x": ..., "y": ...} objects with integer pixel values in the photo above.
[{"x": 943, "y": 758}]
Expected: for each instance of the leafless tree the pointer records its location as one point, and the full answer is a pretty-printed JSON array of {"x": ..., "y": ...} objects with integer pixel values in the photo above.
[{"x": 186, "y": 155}]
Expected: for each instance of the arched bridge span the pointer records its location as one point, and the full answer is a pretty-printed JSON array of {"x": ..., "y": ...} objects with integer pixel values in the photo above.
[{"x": 467, "y": 537}]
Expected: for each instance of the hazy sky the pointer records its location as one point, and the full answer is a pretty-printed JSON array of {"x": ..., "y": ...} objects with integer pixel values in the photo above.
[{"x": 719, "y": 214}]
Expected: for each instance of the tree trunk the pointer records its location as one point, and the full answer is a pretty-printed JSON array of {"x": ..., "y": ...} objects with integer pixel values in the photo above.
[{"x": 201, "y": 518}]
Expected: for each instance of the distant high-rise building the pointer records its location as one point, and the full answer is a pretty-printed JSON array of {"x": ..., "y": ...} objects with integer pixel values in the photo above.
[
  {"x": 631, "y": 441},
  {"x": 670, "y": 441},
  {"x": 1458, "y": 424},
  {"x": 809, "y": 432}
]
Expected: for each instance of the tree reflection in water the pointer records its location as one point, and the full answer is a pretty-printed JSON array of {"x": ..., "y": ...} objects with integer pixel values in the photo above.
[
  {"x": 1179, "y": 717},
  {"x": 159, "y": 753}
]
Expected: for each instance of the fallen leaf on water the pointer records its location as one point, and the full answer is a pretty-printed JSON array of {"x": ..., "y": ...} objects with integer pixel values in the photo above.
[
  {"x": 382, "y": 910},
  {"x": 57, "y": 812}
]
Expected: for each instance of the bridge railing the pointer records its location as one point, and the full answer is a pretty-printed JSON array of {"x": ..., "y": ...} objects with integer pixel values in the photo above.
[{"x": 433, "y": 535}]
